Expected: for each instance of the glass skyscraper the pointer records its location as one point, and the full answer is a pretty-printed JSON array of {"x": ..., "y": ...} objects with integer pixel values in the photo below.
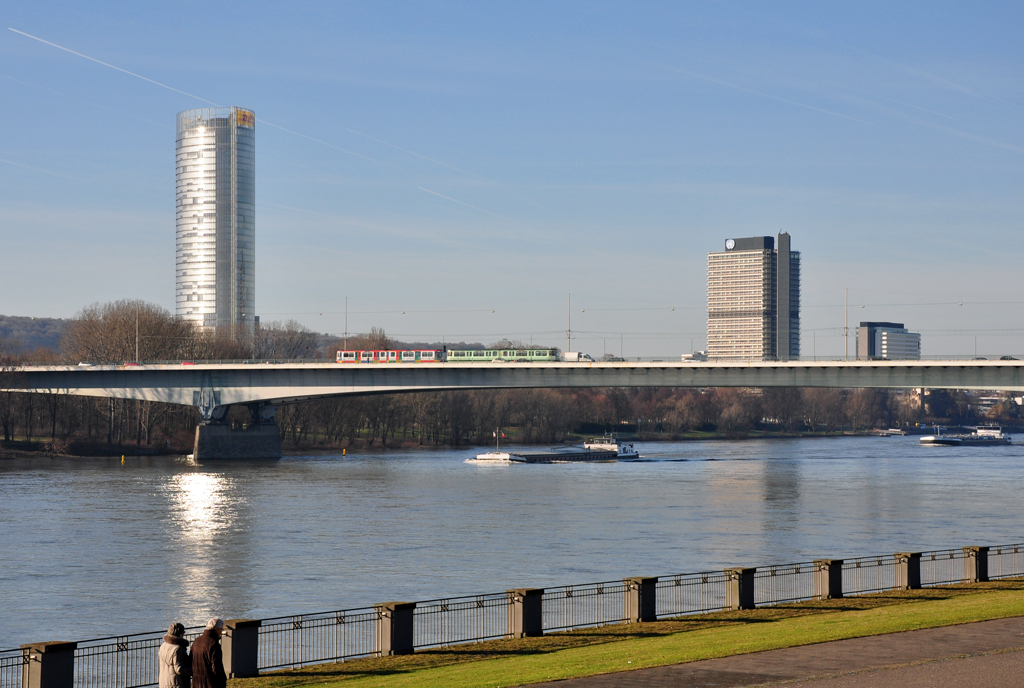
[{"x": 216, "y": 217}]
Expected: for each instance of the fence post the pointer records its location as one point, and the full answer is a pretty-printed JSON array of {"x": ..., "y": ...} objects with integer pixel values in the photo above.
[
  {"x": 50, "y": 665},
  {"x": 828, "y": 579},
  {"x": 394, "y": 628},
  {"x": 241, "y": 647},
  {"x": 740, "y": 591},
  {"x": 641, "y": 599},
  {"x": 525, "y": 612},
  {"x": 908, "y": 570},
  {"x": 975, "y": 564}
]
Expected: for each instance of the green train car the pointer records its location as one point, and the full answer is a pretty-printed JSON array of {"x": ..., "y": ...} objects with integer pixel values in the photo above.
[{"x": 511, "y": 355}]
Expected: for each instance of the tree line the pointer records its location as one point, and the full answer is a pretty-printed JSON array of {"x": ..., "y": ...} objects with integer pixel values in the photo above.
[{"x": 134, "y": 330}]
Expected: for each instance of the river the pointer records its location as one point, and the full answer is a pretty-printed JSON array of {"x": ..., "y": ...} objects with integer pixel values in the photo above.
[{"x": 91, "y": 547}]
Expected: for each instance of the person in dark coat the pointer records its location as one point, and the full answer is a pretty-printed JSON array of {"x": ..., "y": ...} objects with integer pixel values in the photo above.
[
  {"x": 175, "y": 664},
  {"x": 207, "y": 658}
]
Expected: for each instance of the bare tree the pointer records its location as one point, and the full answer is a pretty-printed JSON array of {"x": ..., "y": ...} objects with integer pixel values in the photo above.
[
  {"x": 114, "y": 331},
  {"x": 289, "y": 341}
]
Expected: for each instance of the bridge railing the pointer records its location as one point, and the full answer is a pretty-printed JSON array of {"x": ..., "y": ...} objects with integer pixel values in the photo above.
[{"x": 130, "y": 661}]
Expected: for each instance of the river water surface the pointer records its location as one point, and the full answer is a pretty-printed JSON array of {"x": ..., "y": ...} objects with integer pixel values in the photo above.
[{"x": 89, "y": 547}]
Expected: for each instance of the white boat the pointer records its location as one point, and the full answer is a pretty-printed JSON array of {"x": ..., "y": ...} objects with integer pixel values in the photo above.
[
  {"x": 493, "y": 457},
  {"x": 496, "y": 456},
  {"x": 623, "y": 450}
]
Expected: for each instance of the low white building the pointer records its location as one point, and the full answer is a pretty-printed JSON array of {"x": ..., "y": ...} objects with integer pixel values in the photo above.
[{"x": 887, "y": 341}]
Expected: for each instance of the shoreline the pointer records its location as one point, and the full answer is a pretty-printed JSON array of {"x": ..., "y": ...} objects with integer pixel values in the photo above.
[{"x": 130, "y": 452}]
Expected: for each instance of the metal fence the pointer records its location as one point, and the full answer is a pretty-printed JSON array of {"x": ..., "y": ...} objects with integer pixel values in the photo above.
[
  {"x": 1005, "y": 561},
  {"x": 868, "y": 574},
  {"x": 439, "y": 623},
  {"x": 942, "y": 567},
  {"x": 295, "y": 641},
  {"x": 691, "y": 593},
  {"x": 578, "y": 606},
  {"x": 128, "y": 661},
  {"x": 11, "y": 663},
  {"x": 780, "y": 584}
]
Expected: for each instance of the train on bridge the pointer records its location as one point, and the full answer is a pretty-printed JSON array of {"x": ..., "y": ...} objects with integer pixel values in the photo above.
[{"x": 449, "y": 355}]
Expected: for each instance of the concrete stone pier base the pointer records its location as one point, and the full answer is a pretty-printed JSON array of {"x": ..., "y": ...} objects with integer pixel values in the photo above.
[{"x": 217, "y": 441}]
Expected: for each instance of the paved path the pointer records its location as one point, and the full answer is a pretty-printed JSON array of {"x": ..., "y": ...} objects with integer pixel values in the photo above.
[{"x": 988, "y": 653}]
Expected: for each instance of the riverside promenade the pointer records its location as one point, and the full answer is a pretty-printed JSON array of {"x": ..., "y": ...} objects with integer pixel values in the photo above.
[{"x": 985, "y": 653}]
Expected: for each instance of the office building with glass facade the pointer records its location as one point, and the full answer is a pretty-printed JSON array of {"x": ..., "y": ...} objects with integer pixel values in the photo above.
[
  {"x": 215, "y": 275},
  {"x": 754, "y": 301},
  {"x": 887, "y": 341}
]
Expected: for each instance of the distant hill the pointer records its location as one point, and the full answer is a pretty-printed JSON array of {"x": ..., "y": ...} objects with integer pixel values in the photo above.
[{"x": 26, "y": 334}]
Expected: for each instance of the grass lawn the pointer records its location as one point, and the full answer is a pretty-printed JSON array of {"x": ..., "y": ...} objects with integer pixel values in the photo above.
[{"x": 631, "y": 646}]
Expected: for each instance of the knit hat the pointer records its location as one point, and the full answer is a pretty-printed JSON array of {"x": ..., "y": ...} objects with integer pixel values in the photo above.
[
  {"x": 215, "y": 622},
  {"x": 176, "y": 629}
]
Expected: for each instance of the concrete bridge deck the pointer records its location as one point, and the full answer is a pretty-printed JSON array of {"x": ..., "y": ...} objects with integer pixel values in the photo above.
[{"x": 242, "y": 383}]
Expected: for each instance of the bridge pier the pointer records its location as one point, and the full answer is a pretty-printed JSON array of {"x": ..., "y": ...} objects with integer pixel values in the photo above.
[{"x": 216, "y": 439}]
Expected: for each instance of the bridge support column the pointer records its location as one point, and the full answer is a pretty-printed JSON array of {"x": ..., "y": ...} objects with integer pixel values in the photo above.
[{"x": 218, "y": 440}]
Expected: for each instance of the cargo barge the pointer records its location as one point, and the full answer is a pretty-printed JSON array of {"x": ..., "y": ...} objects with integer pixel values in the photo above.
[{"x": 599, "y": 449}]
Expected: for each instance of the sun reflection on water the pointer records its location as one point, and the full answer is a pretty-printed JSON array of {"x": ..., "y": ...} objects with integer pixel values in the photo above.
[{"x": 202, "y": 505}]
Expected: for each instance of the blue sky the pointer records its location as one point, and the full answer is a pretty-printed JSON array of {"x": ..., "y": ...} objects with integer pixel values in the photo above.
[{"x": 453, "y": 159}]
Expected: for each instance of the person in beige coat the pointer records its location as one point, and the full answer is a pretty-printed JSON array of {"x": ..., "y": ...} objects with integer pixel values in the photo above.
[{"x": 175, "y": 663}]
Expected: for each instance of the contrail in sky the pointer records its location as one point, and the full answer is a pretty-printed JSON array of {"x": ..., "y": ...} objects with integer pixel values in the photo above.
[
  {"x": 277, "y": 126},
  {"x": 406, "y": 150},
  {"x": 37, "y": 169},
  {"x": 262, "y": 121},
  {"x": 455, "y": 200},
  {"x": 106, "y": 64},
  {"x": 765, "y": 95},
  {"x": 190, "y": 95}
]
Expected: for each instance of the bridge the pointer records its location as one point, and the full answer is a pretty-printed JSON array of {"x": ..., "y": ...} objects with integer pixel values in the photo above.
[{"x": 214, "y": 387}]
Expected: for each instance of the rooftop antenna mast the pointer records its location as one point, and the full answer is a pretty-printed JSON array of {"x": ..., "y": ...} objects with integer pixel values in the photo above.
[
  {"x": 846, "y": 325},
  {"x": 568, "y": 331}
]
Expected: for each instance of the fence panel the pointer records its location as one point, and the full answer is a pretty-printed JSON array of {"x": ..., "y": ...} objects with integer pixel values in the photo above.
[
  {"x": 1005, "y": 561},
  {"x": 942, "y": 567},
  {"x": 460, "y": 620},
  {"x": 129, "y": 661},
  {"x": 294, "y": 641},
  {"x": 869, "y": 574},
  {"x": 788, "y": 583},
  {"x": 12, "y": 664},
  {"x": 576, "y": 606},
  {"x": 691, "y": 593}
]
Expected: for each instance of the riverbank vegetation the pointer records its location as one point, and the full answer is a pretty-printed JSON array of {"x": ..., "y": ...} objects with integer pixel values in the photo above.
[
  {"x": 137, "y": 331},
  {"x": 623, "y": 647}
]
